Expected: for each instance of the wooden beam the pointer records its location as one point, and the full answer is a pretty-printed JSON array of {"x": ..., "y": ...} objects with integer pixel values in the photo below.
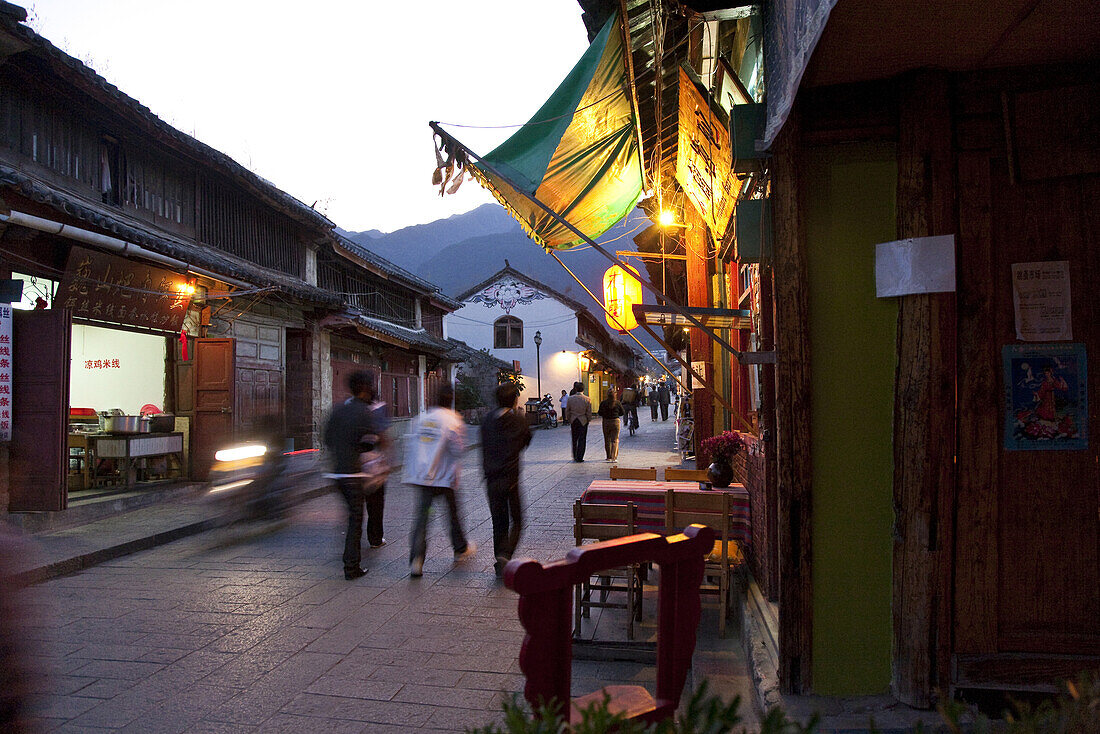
[
  {"x": 976, "y": 561},
  {"x": 924, "y": 403},
  {"x": 697, "y": 247},
  {"x": 794, "y": 470},
  {"x": 768, "y": 432}
]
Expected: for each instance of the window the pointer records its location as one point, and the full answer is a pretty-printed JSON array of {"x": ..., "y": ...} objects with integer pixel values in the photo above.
[{"x": 507, "y": 333}]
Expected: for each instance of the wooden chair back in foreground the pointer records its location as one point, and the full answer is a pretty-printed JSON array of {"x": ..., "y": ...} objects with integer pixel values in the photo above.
[
  {"x": 672, "y": 474},
  {"x": 626, "y": 472},
  {"x": 604, "y": 522},
  {"x": 714, "y": 510},
  {"x": 545, "y": 599}
]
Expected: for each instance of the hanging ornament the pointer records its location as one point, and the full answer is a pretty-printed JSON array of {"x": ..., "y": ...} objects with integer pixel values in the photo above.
[{"x": 183, "y": 342}]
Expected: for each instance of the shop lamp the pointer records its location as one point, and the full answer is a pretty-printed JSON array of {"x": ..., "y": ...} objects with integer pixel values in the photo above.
[
  {"x": 621, "y": 290},
  {"x": 585, "y": 363},
  {"x": 667, "y": 220}
]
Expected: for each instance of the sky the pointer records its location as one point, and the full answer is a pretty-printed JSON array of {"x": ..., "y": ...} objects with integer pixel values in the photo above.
[{"x": 330, "y": 100}]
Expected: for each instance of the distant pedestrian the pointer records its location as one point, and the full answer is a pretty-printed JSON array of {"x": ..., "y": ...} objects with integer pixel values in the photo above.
[
  {"x": 433, "y": 456},
  {"x": 354, "y": 428},
  {"x": 611, "y": 411},
  {"x": 578, "y": 414},
  {"x": 504, "y": 434},
  {"x": 663, "y": 397},
  {"x": 564, "y": 400},
  {"x": 631, "y": 397},
  {"x": 653, "y": 402}
]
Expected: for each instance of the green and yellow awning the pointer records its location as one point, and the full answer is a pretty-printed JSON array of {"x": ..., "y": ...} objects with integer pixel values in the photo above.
[{"x": 578, "y": 155}]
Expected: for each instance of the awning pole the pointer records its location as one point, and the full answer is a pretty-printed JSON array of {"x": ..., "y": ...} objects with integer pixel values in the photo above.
[
  {"x": 588, "y": 240},
  {"x": 604, "y": 309}
]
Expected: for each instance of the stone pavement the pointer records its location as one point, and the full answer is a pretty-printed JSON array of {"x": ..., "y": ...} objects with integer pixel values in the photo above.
[{"x": 256, "y": 630}]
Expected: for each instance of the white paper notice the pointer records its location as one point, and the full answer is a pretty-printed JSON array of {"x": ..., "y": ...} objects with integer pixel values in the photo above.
[
  {"x": 915, "y": 265},
  {"x": 1040, "y": 294}
]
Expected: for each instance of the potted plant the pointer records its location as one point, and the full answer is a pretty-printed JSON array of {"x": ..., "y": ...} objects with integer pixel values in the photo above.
[{"x": 721, "y": 449}]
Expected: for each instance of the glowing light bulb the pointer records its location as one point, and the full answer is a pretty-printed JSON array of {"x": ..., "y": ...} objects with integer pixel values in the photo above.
[{"x": 666, "y": 218}]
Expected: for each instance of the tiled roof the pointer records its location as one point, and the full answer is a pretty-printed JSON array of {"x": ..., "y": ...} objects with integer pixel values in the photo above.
[
  {"x": 200, "y": 256},
  {"x": 462, "y": 352},
  {"x": 395, "y": 271}
]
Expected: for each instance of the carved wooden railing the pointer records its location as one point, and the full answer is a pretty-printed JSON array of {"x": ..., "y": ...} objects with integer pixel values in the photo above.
[{"x": 545, "y": 610}]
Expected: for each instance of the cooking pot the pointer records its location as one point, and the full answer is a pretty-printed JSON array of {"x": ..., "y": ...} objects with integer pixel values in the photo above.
[
  {"x": 159, "y": 423},
  {"x": 123, "y": 424}
]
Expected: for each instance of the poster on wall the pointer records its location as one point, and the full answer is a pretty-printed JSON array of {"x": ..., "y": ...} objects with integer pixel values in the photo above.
[
  {"x": 5, "y": 372},
  {"x": 1046, "y": 397},
  {"x": 1040, "y": 295}
]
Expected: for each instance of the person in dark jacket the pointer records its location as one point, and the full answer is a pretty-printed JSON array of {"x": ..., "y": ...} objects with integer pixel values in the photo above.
[
  {"x": 652, "y": 402},
  {"x": 663, "y": 397},
  {"x": 355, "y": 427},
  {"x": 611, "y": 411},
  {"x": 504, "y": 434}
]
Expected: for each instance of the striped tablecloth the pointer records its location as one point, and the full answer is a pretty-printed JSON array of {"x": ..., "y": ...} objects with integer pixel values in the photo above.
[{"x": 649, "y": 496}]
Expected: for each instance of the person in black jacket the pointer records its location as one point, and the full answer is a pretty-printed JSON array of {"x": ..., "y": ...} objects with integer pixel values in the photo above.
[
  {"x": 504, "y": 434},
  {"x": 354, "y": 427}
]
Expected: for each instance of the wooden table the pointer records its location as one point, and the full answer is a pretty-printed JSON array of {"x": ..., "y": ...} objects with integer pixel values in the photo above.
[{"x": 649, "y": 496}]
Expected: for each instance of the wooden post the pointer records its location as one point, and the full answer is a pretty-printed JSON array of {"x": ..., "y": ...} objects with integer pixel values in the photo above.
[
  {"x": 767, "y": 431},
  {"x": 924, "y": 402},
  {"x": 697, "y": 246},
  {"x": 794, "y": 470}
]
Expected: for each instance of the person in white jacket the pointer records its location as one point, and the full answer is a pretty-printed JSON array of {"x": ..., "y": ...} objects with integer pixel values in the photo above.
[{"x": 433, "y": 457}]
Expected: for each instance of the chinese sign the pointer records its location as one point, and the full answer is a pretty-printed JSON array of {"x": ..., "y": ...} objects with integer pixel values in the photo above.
[
  {"x": 101, "y": 364},
  {"x": 5, "y": 372},
  {"x": 704, "y": 159},
  {"x": 104, "y": 287},
  {"x": 1046, "y": 397},
  {"x": 1040, "y": 293}
]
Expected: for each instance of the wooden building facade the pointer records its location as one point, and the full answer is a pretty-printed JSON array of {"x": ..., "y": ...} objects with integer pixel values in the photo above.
[
  {"x": 925, "y": 521},
  {"x": 107, "y": 212}
]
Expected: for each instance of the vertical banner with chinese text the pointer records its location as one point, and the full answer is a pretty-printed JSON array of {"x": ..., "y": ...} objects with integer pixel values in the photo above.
[{"x": 5, "y": 372}]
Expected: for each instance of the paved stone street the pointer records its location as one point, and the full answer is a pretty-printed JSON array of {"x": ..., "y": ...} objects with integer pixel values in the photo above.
[{"x": 251, "y": 630}]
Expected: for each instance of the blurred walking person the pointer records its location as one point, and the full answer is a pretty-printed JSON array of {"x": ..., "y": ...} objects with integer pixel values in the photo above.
[
  {"x": 653, "y": 402},
  {"x": 611, "y": 411},
  {"x": 433, "y": 459},
  {"x": 631, "y": 397},
  {"x": 504, "y": 434},
  {"x": 19, "y": 673},
  {"x": 357, "y": 427},
  {"x": 578, "y": 414},
  {"x": 663, "y": 397}
]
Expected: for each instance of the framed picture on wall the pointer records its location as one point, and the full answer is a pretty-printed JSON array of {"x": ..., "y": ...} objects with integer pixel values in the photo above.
[{"x": 1046, "y": 397}]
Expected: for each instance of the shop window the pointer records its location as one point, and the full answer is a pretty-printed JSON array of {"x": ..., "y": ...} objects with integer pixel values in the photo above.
[{"x": 507, "y": 333}]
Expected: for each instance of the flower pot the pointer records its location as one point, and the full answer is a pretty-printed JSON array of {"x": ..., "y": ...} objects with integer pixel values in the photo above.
[{"x": 720, "y": 473}]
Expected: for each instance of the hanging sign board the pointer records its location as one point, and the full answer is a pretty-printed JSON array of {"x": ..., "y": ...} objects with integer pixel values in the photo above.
[
  {"x": 1040, "y": 295},
  {"x": 104, "y": 287},
  {"x": 5, "y": 372},
  {"x": 704, "y": 159}
]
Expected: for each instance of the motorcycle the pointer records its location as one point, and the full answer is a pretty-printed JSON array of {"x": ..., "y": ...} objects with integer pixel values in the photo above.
[
  {"x": 251, "y": 482},
  {"x": 547, "y": 413}
]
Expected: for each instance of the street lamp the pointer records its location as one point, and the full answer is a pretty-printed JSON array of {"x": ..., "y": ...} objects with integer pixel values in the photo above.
[{"x": 538, "y": 362}]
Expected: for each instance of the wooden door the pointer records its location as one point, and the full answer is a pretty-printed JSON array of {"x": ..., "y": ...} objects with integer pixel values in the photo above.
[
  {"x": 40, "y": 407},
  {"x": 1027, "y": 567},
  {"x": 214, "y": 382}
]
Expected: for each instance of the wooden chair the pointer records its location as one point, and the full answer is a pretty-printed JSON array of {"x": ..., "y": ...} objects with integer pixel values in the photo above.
[
  {"x": 672, "y": 474},
  {"x": 604, "y": 522},
  {"x": 625, "y": 472},
  {"x": 714, "y": 510}
]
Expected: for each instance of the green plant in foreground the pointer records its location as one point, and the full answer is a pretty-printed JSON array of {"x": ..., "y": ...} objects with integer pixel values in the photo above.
[{"x": 1075, "y": 711}]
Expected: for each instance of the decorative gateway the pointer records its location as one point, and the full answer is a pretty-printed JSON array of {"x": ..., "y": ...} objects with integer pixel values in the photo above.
[{"x": 621, "y": 290}]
